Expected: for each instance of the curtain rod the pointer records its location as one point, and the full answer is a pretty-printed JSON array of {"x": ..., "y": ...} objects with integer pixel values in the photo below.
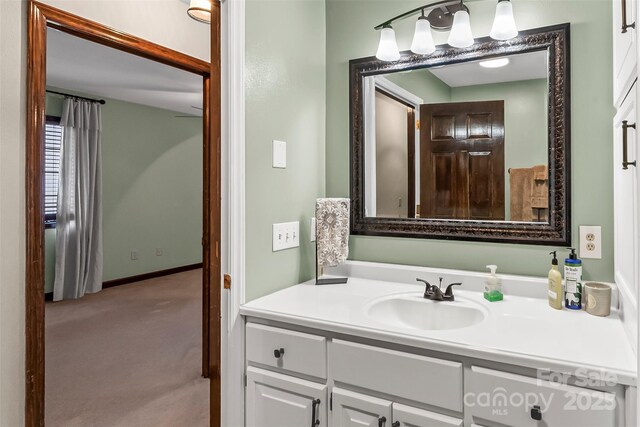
[{"x": 100, "y": 101}]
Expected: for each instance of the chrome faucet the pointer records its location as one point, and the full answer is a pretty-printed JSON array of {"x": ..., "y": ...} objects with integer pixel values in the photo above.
[{"x": 434, "y": 293}]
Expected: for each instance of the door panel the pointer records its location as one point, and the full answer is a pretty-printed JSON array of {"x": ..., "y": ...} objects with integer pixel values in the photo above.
[
  {"x": 479, "y": 125},
  {"x": 441, "y": 204},
  {"x": 443, "y": 128},
  {"x": 462, "y": 160},
  {"x": 624, "y": 48},
  {"x": 626, "y": 200},
  {"x": 480, "y": 167},
  {"x": 358, "y": 410},
  {"x": 276, "y": 400}
]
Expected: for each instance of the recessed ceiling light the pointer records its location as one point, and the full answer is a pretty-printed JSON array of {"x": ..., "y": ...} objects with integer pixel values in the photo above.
[{"x": 495, "y": 63}]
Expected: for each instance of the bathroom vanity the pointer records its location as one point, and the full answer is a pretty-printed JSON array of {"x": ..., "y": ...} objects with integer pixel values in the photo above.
[{"x": 374, "y": 352}]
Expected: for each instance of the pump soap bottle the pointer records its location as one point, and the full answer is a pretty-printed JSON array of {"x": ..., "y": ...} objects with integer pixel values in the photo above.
[
  {"x": 573, "y": 281},
  {"x": 555, "y": 293},
  {"x": 492, "y": 286}
]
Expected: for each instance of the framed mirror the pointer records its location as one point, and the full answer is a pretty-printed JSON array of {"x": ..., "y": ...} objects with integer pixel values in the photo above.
[{"x": 465, "y": 144}]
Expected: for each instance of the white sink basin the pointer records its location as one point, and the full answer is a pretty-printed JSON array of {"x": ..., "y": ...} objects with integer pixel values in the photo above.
[{"x": 415, "y": 312}]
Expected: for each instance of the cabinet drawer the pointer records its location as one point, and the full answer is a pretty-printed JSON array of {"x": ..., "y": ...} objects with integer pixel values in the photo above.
[
  {"x": 422, "y": 379},
  {"x": 509, "y": 398},
  {"x": 303, "y": 353},
  {"x": 406, "y": 416}
]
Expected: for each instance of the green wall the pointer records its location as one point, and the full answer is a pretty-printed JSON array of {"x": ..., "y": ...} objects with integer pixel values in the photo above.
[
  {"x": 285, "y": 100},
  {"x": 152, "y": 190},
  {"x": 350, "y": 35},
  {"x": 423, "y": 84}
]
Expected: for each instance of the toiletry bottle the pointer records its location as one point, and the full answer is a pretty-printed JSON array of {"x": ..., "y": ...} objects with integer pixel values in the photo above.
[
  {"x": 573, "y": 281},
  {"x": 492, "y": 286},
  {"x": 554, "y": 292}
]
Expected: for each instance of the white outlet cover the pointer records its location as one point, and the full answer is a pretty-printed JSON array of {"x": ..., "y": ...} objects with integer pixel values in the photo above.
[
  {"x": 279, "y": 154},
  {"x": 590, "y": 242}
]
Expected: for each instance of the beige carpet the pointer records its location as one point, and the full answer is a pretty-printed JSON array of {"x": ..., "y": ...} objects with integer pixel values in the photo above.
[{"x": 128, "y": 356}]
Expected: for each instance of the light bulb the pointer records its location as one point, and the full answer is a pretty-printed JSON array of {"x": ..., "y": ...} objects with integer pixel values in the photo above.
[
  {"x": 495, "y": 63},
  {"x": 422, "y": 38},
  {"x": 504, "y": 26},
  {"x": 388, "y": 48},
  {"x": 461, "y": 35}
]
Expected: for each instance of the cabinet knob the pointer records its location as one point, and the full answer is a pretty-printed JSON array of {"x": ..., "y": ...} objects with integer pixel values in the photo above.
[
  {"x": 382, "y": 421},
  {"x": 536, "y": 413},
  {"x": 278, "y": 353},
  {"x": 396, "y": 424}
]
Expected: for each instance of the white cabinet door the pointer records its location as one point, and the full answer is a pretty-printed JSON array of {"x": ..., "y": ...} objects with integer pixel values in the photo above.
[
  {"x": 625, "y": 187},
  {"x": 624, "y": 48},
  {"x": 277, "y": 400},
  {"x": 407, "y": 416},
  {"x": 358, "y": 410}
]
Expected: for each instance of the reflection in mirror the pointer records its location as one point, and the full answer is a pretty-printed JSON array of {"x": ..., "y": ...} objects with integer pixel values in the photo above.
[{"x": 464, "y": 141}]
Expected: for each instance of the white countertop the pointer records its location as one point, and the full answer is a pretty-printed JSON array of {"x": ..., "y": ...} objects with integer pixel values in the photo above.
[{"x": 519, "y": 330}]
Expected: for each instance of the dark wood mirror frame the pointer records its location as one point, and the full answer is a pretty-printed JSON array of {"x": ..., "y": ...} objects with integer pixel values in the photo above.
[{"x": 557, "y": 231}]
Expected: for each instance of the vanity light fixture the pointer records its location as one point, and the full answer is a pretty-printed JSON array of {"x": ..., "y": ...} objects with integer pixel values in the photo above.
[
  {"x": 504, "y": 25},
  {"x": 422, "y": 38},
  {"x": 461, "y": 35},
  {"x": 443, "y": 15},
  {"x": 388, "y": 48},
  {"x": 200, "y": 10},
  {"x": 494, "y": 63}
]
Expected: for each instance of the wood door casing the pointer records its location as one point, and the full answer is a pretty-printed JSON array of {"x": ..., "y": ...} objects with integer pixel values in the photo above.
[
  {"x": 40, "y": 17},
  {"x": 462, "y": 160}
]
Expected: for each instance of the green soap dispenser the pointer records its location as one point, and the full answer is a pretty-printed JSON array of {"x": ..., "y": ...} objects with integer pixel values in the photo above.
[{"x": 492, "y": 286}]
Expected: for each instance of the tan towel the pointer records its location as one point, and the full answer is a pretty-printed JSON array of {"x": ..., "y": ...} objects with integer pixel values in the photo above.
[
  {"x": 540, "y": 194},
  {"x": 332, "y": 231},
  {"x": 520, "y": 188}
]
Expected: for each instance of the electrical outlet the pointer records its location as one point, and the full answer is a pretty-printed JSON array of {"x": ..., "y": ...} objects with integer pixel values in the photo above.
[
  {"x": 286, "y": 235},
  {"x": 313, "y": 229},
  {"x": 134, "y": 255},
  {"x": 159, "y": 252},
  {"x": 590, "y": 242}
]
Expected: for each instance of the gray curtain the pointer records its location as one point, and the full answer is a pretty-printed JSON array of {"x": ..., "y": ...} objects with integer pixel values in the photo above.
[{"x": 79, "y": 213}]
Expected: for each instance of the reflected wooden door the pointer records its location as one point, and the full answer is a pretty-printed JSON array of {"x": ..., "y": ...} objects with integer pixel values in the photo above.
[{"x": 462, "y": 160}]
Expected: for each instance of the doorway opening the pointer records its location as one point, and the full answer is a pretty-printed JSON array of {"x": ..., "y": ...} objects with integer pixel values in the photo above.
[{"x": 42, "y": 18}]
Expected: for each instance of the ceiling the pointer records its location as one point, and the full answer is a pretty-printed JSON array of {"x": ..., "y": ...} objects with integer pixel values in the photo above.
[
  {"x": 79, "y": 65},
  {"x": 525, "y": 66}
]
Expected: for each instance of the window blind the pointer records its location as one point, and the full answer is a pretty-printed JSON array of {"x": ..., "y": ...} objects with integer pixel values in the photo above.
[{"x": 52, "y": 149}]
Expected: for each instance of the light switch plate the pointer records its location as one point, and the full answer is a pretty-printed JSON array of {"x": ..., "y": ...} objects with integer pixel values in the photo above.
[
  {"x": 286, "y": 235},
  {"x": 279, "y": 154},
  {"x": 313, "y": 229},
  {"x": 590, "y": 242}
]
